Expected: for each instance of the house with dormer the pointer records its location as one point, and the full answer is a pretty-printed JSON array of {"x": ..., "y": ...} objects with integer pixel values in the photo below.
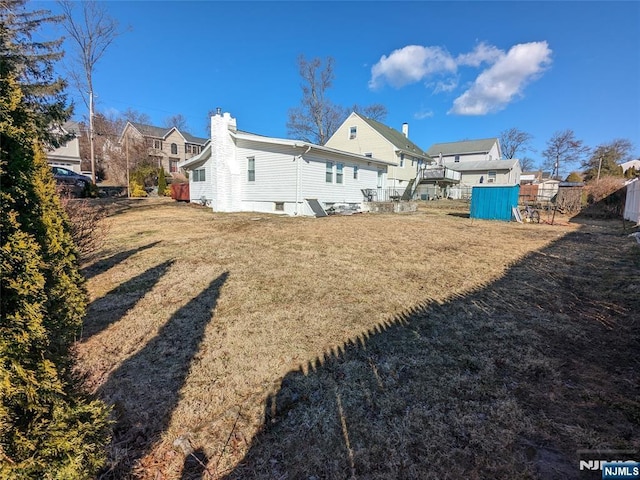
[
  {"x": 166, "y": 147},
  {"x": 364, "y": 136}
]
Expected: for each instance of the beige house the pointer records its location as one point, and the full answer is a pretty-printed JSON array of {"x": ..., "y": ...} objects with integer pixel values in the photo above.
[
  {"x": 364, "y": 136},
  {"x": 166, "y": 146},
  {"x": 67, "y": 155}
]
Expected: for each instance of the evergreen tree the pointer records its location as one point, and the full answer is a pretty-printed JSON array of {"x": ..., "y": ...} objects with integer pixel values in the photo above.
[
  {"x": 162, "y": 182},
  {"x": 48, "y": 427}
]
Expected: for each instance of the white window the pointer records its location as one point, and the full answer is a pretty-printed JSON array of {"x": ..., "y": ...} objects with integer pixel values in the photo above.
[
  {"x": 339, "y": 172},
  {"x": 329, "y": 172},
  {"x": 199, "y": 175},
  {"x": 157, "y": 144},
  {"x": 457, "y": 158},
  {"x": 491, "y": 177},
  {"x": 173, "y": 165},
  {"x": 368, "y": 154},
  {"x": 251, "y": 169},
  {"x": 174, "y": 149},
  {"x": 355, "y": 172},
  {"x": 402, "y": 159},
  {"x": 187, "y": 147},
  {"x": 353, "y": 131}
]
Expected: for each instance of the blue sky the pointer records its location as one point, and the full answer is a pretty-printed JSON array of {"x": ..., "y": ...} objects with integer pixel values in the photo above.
[{"x": 452, "y": 70}]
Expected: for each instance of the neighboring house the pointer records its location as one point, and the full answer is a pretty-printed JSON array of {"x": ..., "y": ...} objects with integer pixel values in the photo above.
[
  {"x": 167, "y": 147},
  {"x": 67, "y": 155},
  {"x": 478, "y": 172},
  {"x": 630, "y": 164},
  {"x": 239, "y": 171},
  {"x": 465, "y": 151},
  {"x": 364, "y": 136}
]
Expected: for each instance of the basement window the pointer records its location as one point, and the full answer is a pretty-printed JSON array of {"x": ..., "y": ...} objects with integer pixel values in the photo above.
[{"x": 279, "y": 206}]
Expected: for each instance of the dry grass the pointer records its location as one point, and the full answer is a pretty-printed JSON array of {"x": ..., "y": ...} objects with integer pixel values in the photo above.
[{"x": 370, "y": 346}]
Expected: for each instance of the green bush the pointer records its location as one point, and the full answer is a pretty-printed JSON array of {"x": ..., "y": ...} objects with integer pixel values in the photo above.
[{"x": 49, "y": 428}]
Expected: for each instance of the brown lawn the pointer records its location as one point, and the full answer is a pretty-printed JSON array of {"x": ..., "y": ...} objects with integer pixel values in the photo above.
[{"x": 369, "y": 346}]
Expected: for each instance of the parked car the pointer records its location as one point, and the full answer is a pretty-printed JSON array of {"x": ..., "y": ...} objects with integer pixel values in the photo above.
[{"x": 70, "y": 182}]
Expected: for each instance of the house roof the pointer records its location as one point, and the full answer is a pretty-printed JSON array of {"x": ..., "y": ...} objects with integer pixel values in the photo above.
[
  {"x": 459, "y": 148},
  {"x": 396, "y": 138},
  {"x": 252, "y": 137},
  {"x": 483, "y": 165},
  {"x": 162, "y": 132},
  {"x": 299, "y": 143}
]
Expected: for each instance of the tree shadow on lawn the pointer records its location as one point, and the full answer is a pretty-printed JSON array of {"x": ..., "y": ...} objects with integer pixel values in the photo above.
[
  {"x": 112, "y": 307},
  {"x": 508, "y": 381},
  {"x": 145, "y": 389},
  {"x": 105, "y": 264}
]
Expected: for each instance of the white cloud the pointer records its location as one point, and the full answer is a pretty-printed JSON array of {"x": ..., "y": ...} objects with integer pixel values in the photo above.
[
  {"x": 409, "y": 65},
  {"x": 447, "y": 85},
  {"x": 502, "y": 82},
  {"x": 422, "y": 114},
  {"x": 505, "y": 80},
  {"x": 483, "y": 53}
]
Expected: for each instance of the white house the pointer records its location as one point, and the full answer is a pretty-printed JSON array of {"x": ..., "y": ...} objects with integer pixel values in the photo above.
[
  {"x": 239, "y": 171},
  {"x": 68, "y": 154}
]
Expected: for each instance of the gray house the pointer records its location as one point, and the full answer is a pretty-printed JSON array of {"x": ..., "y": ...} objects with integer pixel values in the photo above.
[{"x": 465, "y": 151}]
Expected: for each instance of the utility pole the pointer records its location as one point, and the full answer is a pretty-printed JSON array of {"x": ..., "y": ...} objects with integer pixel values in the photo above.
[
  {"x": 126, "y": 146},
  {"x": 93, "y": 158}
]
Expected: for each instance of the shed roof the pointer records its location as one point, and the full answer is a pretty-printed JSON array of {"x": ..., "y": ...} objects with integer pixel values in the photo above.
[{"x": 465, "y": 146}]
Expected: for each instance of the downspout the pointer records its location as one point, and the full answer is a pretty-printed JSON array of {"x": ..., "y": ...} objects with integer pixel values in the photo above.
[{"x": 299, "y": 179}]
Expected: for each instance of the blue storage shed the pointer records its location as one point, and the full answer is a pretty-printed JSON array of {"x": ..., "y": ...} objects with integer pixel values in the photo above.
[{"x": 494, "y": 202}]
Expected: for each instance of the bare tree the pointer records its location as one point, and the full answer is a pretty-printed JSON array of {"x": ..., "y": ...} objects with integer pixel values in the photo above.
[
  {"x": 131, "y": 115},
  {"x": 375, "y": 111},
  {"x": 92, "y": 33},
  {"x": 179, "y": 121},
  {"x": 563, "y": 150},
  {"x": 317, "y": 117},
  {"x": 513, "y": 141},
  {"x": 606, "y": 158},
  {"x": 527, "y": 164}
]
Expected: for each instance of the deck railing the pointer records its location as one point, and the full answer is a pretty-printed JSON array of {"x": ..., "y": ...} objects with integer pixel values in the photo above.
[{"x": 439, "y": 173}]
